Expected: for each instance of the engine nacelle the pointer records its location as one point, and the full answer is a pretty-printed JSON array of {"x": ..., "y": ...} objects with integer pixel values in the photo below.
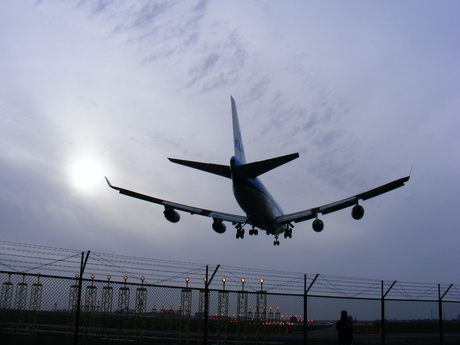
[
  {"x": 172, "y": 215},
  {"x": 218, "y": 226},
  {"x": 318, "y": 225},
  {"x": 357, "y": 212}
]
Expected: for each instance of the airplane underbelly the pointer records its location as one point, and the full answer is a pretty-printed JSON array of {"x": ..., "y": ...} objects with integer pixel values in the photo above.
[{"x": 260, "y": 210}]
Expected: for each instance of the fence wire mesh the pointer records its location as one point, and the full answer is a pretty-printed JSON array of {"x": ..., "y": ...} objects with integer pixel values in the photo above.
[{"x": 124, "y": 298}]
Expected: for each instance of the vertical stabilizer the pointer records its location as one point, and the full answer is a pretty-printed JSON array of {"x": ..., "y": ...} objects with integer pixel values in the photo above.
[{"x": 237, "y": 138}]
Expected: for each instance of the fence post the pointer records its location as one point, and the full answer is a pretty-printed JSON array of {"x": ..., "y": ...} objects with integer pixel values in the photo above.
[
  {"x": 382, "y": 322},
  {"x": 305, "y": 305},
  {"x": 305, "y": 319},
  {"x": 80, "y": 283},
  {"x": 206, "y": 302},
  {"x": 441, "y": 331}
]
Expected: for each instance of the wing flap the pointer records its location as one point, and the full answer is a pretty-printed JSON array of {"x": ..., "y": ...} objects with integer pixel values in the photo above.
[
  {"x": 383, "y": 189},
  {"x": 338, "y": 205},
  {"x": 234, "y": 218}
]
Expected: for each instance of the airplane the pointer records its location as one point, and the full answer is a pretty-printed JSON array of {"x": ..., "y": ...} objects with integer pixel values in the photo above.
[{"x": 261, "y": 209}]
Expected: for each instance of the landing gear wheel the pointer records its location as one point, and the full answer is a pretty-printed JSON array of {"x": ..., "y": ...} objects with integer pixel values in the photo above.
[
  {"x": 240, "y": 233},
  {"x": 253, "y": 232},
  {"x": 276, "y": 242}
]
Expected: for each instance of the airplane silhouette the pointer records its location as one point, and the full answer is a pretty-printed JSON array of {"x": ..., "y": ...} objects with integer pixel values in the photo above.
[{"x": 262, "y": 211}]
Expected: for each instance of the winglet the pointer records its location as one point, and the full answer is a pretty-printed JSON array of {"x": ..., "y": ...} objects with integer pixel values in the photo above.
[{"x": 108, "y": 182}]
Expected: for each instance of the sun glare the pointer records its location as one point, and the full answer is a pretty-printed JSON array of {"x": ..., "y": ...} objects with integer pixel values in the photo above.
[{"x": 86, "y": 174}]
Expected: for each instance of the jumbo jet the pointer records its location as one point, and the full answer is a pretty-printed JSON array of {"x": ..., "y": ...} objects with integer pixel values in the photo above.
[{"x": 261, "y": 209}]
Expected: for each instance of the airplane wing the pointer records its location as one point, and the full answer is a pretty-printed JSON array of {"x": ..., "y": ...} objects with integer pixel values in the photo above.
[
  {"x": 234, "y": 218},
  {"x": 338, "y": 205}
]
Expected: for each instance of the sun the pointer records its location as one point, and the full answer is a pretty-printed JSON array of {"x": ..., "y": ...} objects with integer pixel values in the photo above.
[{"x": 86, "y": 174}]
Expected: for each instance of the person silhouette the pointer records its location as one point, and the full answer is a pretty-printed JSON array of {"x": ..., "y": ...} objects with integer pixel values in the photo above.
[{"x": 345, "y": 328}]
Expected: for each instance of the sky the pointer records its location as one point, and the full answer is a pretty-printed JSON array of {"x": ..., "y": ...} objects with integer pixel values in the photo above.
[{"x": 366, "y": 92}]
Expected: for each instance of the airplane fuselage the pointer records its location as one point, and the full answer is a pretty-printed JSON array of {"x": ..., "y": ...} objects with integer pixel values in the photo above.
[{"x": 255, "y": 200}]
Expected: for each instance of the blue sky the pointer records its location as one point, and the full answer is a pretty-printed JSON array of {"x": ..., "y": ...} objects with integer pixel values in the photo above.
[{"x": 364, "y": 91}]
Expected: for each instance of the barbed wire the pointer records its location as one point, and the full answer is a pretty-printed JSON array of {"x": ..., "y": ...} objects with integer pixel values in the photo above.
[{"x": 28, "y": 258}]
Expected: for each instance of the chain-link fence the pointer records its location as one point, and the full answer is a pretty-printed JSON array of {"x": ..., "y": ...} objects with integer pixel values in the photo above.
[{"x": 181, "y": 303}]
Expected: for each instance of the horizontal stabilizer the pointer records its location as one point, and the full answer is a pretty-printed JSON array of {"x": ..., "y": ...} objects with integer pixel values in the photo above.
[
  {"x": 252, "y": 170},
  {"x": 217, "y": 169}
]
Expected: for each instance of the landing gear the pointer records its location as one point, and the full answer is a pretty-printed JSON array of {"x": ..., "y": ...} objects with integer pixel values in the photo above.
[
  {"x": 239, "y": 231},
  {"x": 253, "y": 231},
  {"x": 288, "y": 233},
  {"x": 276, "y": 242}
]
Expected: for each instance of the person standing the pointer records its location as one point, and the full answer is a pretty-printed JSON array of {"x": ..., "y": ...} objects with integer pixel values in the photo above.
[{"x": 345, "y": 328}]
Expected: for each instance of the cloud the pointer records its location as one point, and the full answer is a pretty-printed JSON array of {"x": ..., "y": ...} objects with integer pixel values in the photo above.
[{"x": 363, "y": 94}]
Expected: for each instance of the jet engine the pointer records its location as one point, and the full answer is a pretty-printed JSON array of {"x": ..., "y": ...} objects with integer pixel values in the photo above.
[
  {"x": 218, "y": 226},
  {"x": 318, "y": 225},
  {"x": 357, "y": 212},
  {"x": 172, "y": 215}
]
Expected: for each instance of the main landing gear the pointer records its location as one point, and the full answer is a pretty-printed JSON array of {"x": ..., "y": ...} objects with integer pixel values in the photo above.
[
  {"x": 288, "y": 233},
  {"x": 253, "y": 231},
  {"x": 239, "y": 231}
]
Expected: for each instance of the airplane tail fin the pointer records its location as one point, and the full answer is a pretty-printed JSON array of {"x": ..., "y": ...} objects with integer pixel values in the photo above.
[{"x": 238, "y": 139}]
